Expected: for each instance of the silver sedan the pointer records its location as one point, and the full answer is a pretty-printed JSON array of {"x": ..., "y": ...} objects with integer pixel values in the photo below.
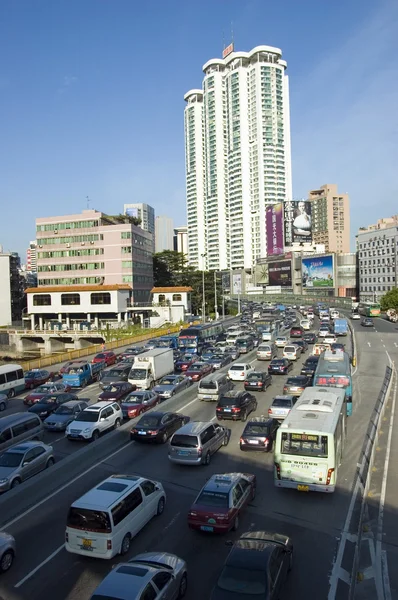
[
  {"x": 23, "y": 461},
  {"x": 7, "y": 551},
  {"x": 171, "y": 385}
]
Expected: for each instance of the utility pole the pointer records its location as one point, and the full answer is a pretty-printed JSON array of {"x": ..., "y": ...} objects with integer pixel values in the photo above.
[{"x": 215, "y": 296}]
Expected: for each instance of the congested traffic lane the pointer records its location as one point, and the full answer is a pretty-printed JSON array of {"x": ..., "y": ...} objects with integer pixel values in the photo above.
[{"x": 314, "y": 521}]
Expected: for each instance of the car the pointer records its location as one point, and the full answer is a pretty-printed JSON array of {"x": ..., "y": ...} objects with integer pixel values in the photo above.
[
  {"x": 302, "y": 344},
  {"x": 305, "y": 324},
  {"x": 208, "y": 354},
  {"x": 235, "y": 406},
  {"x": 36, "y": 377},
  {"x": 280, "y": 366},
  {"x": 196, "y": 441},
  {"x": 355, "y": 316},
  {"x": 48, "y": 404},
  {"x": 157, "y": 426},
  {"x": 281, "y": 341},
  {"x": 66, "y": 365},
  {"x": 367, "y": 322},
  {"x": 323, "y": 332},
  {"x": 7, "y": 551},
  {"x": 220, "y": 360},
  {"x": 116, "y": 391},
  {"x": 64, "y": 414},
  {"x": 135, "y": 351},
  {"x": 292, "y": 352},
  {"x": 146, "y": 576},
  {"x": 233, "y": 351},
  {"x": 309, "y": 367},
  {"x": 115, "y": 374},
  {"x": 44, "y": 390},
  {"x": 296, "y": 332},
  {"x": 171, "y": 385},
  {"x": 139, "y": 402},
  {"x": 281, "y": 407},
  {"x": 257, "y": 381},
  {"x": 108, "y": 357},
  {"x": 259, "y": 434},
  {"x": 95, "y": 420},
  {"x": 198, "y": 370},
  {"x": 4, "y": 400},
  {"x": 296, "y": 385},
  {"x": 257, "y": 565},
  {"x": 310, "y": 337},
  {"x": 218, "y": 506},
  {"x": 239, "y": 371},
  {"x": 23, "y": 461},
  {"x": 183, "y": 363},
  {"x": 337, "y": 346},
  {"x": 330, "y": 339}
]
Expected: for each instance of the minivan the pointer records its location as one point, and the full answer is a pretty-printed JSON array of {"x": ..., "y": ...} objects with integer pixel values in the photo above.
[
  {"x": 19, "y": 427},
  {"x": 245, "y": 344},
  {"x": 103, "y": 521},
  {"x": 195, "y": 442},
  {"x": 213, "y": 386},
  {"x": 267, "y": 351},
  {"x": 233, "y": 336}
]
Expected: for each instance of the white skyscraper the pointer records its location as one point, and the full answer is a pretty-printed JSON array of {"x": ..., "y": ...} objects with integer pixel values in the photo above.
[
  {"x": 237, "y": 145},
  {"x": 146, "y": 213}
]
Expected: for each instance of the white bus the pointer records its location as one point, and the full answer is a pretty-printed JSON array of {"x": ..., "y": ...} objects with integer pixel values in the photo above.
[
  {"x": 310, "y": 441},
  {"x": 12, "y": 380}
]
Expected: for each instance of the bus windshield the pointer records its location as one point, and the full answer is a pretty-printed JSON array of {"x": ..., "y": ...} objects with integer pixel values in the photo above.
[{"x": 303, "y": 444}]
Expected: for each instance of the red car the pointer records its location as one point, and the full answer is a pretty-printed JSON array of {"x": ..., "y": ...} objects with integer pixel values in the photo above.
[
  {"x": 44, "y": 390},
  {"x": 36, "y": 377},
  {"x": 139, "y": 402},
  {"x": 198, "y": 370},
  {"x": 116, "y": 391},
  {"x": 108, "y": 357},
  {"x": 183, "y": 363},
  {"x": 219, "y": 503}
]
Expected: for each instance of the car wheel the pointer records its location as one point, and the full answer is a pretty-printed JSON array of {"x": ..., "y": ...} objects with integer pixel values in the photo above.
[
  {"x": 2, "y": 406},
  {"x": 225, "y": 440},
  {"x": 207, "y": 459},
  {"x": 182, "y": 590},
  {"x": 15, "y": 483},
  {"x": 243, "y": 416},
  {"x": 11, "y": 393},
  {"x": 163, "y": 439},
  {"x": 125, "y": 547},
  {"x": 117, "y": 423},
  {"x": 236, "y": 523},
  {"x": 95, "y": 435},
  {"x": 161, "y": 505},
  {"x": 6, "y": 560},
  {"x": 50, "y": 462}
]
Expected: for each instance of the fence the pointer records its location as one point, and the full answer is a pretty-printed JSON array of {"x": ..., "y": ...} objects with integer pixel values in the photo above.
[{"x": 295, "y": 299}]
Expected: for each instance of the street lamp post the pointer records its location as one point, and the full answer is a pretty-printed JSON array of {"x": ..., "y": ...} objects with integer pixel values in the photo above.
[
  {"x": 215, "y": 296},
  {"x": 203, "y": 289}
]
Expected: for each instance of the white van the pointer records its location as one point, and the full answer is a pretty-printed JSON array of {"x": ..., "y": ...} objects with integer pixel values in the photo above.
[
  {"x": 233, "y": 336},
  {"x": 103, "y": 522}
]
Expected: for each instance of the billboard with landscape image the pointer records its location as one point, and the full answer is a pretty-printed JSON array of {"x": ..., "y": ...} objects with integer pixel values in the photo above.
[{"x": 318, "y": 272}]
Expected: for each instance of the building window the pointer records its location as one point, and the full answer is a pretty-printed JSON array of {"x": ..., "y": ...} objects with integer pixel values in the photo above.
[
  {"x": 162, "y": 298},
  {"x": 70, "y": 299},
  {"x": 177, "y": 297},
  {"x": 42, "y": 300},
  {"x": 100, "y": 298}
]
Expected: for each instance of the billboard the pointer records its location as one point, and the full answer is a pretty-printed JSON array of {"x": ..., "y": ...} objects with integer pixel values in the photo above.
[
  {"x": 298, "y": 222},
  {"x": 261, "y": 275},
  {"x": 228, "y": 50},
  {"x": 318, "y": 272},
  {"x": 237, "y": 283},
  {"x": 225, "y": 280},
  {"x": 132, "y": 212},
  {"x": 274, "y": 229},
  {"x": 280, "y": 273}
]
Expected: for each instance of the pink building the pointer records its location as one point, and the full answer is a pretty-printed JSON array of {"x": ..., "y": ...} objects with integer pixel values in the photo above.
[{"x": 93, "y": 248}]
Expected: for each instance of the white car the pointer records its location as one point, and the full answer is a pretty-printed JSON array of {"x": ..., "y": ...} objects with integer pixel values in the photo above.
[
  {"x": 356, "y": 317},
  {"x": 323, "y": 333},
  {"x": 305, "y": 324},
  {"x": 239, "y": 371},
  {"x": 330, "y": 339},
  {"x": 95, "y": 420},
  {"x": 291, "y": 352},
  {"x": 281, "y": 341}
]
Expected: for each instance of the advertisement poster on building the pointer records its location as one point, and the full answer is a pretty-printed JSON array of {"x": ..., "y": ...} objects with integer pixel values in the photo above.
[
  {"x": 132, "y": 212},
  {"x": 226, "y": 281},
  {"x": 298, "y": 222},
  {"x": 237, "y": 283},
  {"x": 274, "y": 229},
  {"x": 318, "y": 272},
  {"x": 261, "y": 275},
  {"x": 280, "y": 273}
]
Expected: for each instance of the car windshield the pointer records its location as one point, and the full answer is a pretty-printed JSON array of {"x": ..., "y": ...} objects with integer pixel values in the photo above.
[
  {"x": 135, "y": 398},
  {"x": 256, "y": 429},
  {"x": 264, "y": 348},
  {"x": 243, "y": 581},
  {"x": 196, "y": 367},
  {"x": 48, "y": 400},
  {"x": 88, "y": 417},
  {"x": 138, "y": 374},
  {"x": 43, "y": 389},
  {"x": 148, "y": 421},
  {"x": 113, "y": 373},
  {"x": 11, "y": 459},
  {"x": 111, "y": 388},
  {"x": 102, "y": 356},
  {"x": 168, "y": 381},
  {"x": 186, "y": 358},
  {"x": 282, "y": 402},
  {"x": 64, "y": 410},
  {"x": 31, "y": 374},
  {"x": 290, "y": 349},
  {"x": 184, "y": 441},
  {"x": 215, "y": 499}
]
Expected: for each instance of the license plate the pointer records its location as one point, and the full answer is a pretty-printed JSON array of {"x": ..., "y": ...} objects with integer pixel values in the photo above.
[
  {"x": 206, "y": 528},
  {"x": 279, "y": 412},
  {"x": 253, "y": 441},
  {"x": 303, "y": 488},
  {"x": 227, "y": 410},
  {"x": 142, "y": 433},
  {"x": 87, "y": 544},
  {"x": 294, "y": 389},
  {"x": 183, "y": 452},
  {"x": 207, "y": 397}
]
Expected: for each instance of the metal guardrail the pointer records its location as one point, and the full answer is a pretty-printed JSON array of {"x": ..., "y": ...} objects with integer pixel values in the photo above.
[{"x": 294, "y": 299}]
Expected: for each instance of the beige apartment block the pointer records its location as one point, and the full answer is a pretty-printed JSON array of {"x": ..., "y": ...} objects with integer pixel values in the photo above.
[{"x": 330, "y": 218}]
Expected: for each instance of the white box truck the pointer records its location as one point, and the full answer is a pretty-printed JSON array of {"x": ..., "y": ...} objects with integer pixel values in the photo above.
[{"x": 150, "y": 367}]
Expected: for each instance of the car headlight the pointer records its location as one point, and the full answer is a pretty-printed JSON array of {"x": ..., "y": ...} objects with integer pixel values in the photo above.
[
  {"x": 4, "y": 480},
  {"x": 87, "y": 430},
  {"x": 166, "y": 394}
]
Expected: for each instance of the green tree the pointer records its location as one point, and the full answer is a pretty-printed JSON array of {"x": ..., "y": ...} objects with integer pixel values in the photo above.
[
  {"x": 389, "y": 300},
  {"x": 169, "y": 267}
]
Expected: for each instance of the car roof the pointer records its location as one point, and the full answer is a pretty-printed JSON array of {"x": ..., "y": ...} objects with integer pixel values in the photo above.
[
  {"x": 125, "y": 581},
  {"x": 108, "y": 491},
  {"x": 98, "y": 405},
  {"x": 157, "y": 413},
  {"x": 21, "y": 448},
  {"x": 282, "y": 397},
  {"x": 193, "y": 427},
  {"x": 72, "y": 403},
  {"x": 222, "y": 482}
]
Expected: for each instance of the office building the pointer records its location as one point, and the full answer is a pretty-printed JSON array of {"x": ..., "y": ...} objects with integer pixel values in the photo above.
[
  {"x": 31, "y": 257},
  {"x": 12, "y": 289},
  {"x": 330, "y": 218},
  {"x": 164, "y": 234},
  {"x": 238, "y": 158},
  {"x": 93, "y": 248},
  {"x": 381, "y": 224},
  {"x": 181, "y": 240},
  {"x": 377, "y": 262},
  {"x": 146, "y": 214}
]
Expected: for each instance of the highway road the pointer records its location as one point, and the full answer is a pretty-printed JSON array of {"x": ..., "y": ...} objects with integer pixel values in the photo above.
[{"x": 44, "y": 570}]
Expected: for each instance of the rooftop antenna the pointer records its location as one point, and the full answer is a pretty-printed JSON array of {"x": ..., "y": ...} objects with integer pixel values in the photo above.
[
  {"x": 232, "y": 32},
  {"x": 88, "y": 202}
]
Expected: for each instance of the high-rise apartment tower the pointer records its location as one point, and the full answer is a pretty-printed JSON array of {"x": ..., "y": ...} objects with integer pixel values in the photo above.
[
  {"x": 237, "y": 147},
  {"x": 330, "y": 218}
]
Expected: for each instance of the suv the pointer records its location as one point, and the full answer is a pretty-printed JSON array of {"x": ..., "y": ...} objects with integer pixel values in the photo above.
[
  {"x": 195, "y": 442},
  {"x": 236, "y": 406},
  {"x": 296, "y": 332},
  {"x": 95, "y": 420}
]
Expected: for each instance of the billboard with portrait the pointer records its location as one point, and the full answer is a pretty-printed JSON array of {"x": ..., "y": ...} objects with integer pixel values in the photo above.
[
  {"x": 280, "y": 273},
  {"x": 274, "y": 229},
  {"x": 318, "y": 271},
  {"x": 298, "y": 222},
  {"x": 237, "y": 283}
]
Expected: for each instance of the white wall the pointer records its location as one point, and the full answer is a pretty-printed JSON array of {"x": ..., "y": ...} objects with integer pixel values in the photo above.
[
  {"x": 5, "y": 294},
  {"x": 118, "y": 304}
]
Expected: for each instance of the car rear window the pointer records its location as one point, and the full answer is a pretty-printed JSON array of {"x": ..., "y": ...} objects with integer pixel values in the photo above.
[
  {"x": 89, "y": 520},
  {"x": 264, "y": 348},
  {"x": 296, "y": 381},
  {"x": 208, "y": 385},
  {"x": 282, "y": 402},
  {"x": 278, "y": 363},
  {"x": 290, "y": 349},
  {"x": 215, "y": 499},
  {"x": 227, "y": 400},
  {"x": 237, "y": 368},
  {"x": 255, "y": 376},
  {"x": 184, "y": 441},
  {"x": 256, "y": 429}
]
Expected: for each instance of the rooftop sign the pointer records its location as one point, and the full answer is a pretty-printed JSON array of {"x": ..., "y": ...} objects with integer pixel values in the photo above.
[{"x": 228, "y": 50}]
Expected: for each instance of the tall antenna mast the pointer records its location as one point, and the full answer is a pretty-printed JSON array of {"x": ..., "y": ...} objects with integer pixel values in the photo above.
[
  {"x": 232, "y": 32},
  {"x": 88, "y": 202}
]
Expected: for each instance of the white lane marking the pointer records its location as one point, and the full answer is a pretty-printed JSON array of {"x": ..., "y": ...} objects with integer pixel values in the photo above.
[
  {"x": 369, "y": 344},
  {"x": 384, "y": 345},
  {"x": 57, "y": 440},
  {"x": 186, "y": 405},
  {"x": 386, "y": 577},
  {"x": 379, "y": 540},
  {"x": 44, "y": 562},
  {"x": 395, "y": 344},
  {"x": 63, "y": 487},
  {"x": 171, "y": 523},
  {"x": 389, "y": 358}
]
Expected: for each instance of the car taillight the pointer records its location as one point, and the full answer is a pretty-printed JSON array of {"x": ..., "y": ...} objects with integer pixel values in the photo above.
[
  {"x": 109, "y": 544},
  {"x": 192, "y": 514},
  {"x": 200, "y": 451},
  {"x": 330, "y": 473},
  {"x": 242, "y": 441},
  {"x": 154, "y": 432},
  {"x": 134, "y": 431},
  {"x": 236, "y": 409},
  {"x": 218, "y": 408},
  {"x": 132, "y": 412},
  {"x": 270, "y": 411},
  {"x": 278, "y": 470}
]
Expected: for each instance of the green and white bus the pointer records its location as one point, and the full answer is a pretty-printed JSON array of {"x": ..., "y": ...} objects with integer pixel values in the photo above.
[
  {"x": 12, "y": 380},
  {"x": 309, "y": 443},
  {"x": 369, "y": 309}
]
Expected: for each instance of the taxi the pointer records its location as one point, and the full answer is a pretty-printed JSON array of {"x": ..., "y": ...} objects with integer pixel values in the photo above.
[{"x": 219, "y": 503}]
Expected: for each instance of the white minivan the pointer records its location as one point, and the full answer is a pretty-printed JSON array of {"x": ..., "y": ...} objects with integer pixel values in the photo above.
[{"x": 103, "y": 522}]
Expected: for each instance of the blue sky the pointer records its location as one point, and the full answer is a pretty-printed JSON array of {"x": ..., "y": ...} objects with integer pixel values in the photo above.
[{"x": 91, "y": 100}]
